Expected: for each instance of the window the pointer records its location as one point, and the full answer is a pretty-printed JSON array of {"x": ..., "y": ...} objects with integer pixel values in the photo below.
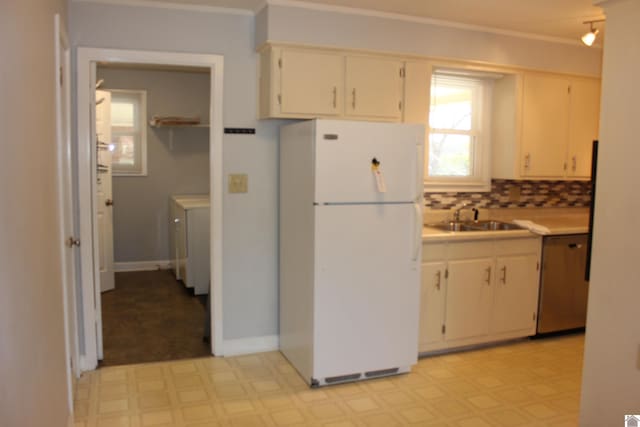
[
  {"x": 129, "y": 132},
  {"x": 457, "y": 158}
]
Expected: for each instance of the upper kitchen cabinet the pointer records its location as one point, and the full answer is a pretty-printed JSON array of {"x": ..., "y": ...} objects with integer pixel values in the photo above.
[
  {"x": 583, "y": 125},
  {"x": 543, "y": 125},
  {"x": 374, "y": 88},
  {"x": 306, "y": 82},
  {"x": 301, "y": 83},
  {"x": 417, "y": 92}
]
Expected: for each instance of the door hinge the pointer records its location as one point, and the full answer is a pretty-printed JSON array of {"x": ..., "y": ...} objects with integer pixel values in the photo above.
[
  {"x": 534, "y": 315},
  {"x": 400, "y": 105},
  {"x": 564, "y": 166},
  {"x": 402, "y": 72},
  {"x": 569, "y": 89},
  {"x": 446, "y": 273},
  {"x": 280, "y": 63},
  {"x": 279, "y": 99},
  {"x": 444, "y": 329},
  {"x": 537, "y": 265},
  {"x": 61, "y": 77}
]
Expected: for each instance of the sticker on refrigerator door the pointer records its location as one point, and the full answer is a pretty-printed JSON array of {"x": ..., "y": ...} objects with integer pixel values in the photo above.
[{"x": 377, "y": 173}]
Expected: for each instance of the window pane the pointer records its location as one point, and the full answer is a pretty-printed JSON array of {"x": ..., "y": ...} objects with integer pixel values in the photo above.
[
  {"x": 122, "y": 114},
  {"x": 451, "y": 106},
  {"x": 450, "y": 155},
  {"x": 123, "y": 152}
]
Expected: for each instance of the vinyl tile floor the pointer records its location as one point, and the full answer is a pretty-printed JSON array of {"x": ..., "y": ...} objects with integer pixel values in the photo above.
[
  {"x": 151, "y": 317},
  {"x": 527, "y": 383}
]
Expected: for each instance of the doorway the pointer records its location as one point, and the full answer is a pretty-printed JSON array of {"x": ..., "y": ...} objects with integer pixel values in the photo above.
[
  {"x": 153, "y": 185},
  {"x": 91, "y": 300}
]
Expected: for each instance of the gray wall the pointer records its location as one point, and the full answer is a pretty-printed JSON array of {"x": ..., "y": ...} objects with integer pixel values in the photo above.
[
  {"x": 141, "y": 203},
  {"x": 250, "y": 247},
  {"x": 33, "y": 388}
]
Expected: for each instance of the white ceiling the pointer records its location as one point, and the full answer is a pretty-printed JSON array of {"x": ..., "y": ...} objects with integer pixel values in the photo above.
[{"x": 554, "y": 18}]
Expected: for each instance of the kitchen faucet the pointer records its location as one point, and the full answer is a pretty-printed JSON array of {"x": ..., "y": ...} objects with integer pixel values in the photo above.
[{"x": 456, "y": 213}]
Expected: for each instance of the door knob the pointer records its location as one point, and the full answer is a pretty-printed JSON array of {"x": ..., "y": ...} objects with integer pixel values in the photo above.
[
  {"x": 71, "y": 242},
  {"x": 108, "y": 202}
]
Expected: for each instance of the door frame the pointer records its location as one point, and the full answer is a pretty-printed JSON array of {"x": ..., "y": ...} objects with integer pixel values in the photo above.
[
  {"x": 90, "y": 279},
  {"x": 62, "y": 84}
]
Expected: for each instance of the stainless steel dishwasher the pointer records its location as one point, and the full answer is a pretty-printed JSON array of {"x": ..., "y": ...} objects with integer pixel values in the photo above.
[{"x": 563, "y": 290}]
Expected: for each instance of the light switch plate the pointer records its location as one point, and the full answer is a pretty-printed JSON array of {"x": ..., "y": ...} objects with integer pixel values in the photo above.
[{"x": 238, "y": 183}]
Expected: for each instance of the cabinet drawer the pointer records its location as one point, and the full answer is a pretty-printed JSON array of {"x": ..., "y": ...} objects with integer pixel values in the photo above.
[
  {"x": 525, "y": 245},
  {"x": 433, "y": 251},
  {"x": 464, "y": 250}
]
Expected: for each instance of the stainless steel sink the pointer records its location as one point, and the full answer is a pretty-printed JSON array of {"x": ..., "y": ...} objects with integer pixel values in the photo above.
[{"x": 486, "y": 225}]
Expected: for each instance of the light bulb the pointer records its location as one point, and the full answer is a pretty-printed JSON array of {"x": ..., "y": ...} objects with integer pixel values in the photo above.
[{"x": 590, "y": 37}]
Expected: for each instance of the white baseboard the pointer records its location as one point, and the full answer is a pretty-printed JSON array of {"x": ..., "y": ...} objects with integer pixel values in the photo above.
[
  {"x": 251, "y": 345},
  {"x": 164, "y": 264}
]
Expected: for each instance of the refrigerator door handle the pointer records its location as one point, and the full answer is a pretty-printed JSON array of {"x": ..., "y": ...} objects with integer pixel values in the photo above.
[
  {"x": 419, "y": 174},
  {"x": 418, "y": 231}
]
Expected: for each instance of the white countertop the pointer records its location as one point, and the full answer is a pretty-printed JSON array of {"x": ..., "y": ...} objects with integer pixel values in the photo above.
[{"x": 558, "y": 220}]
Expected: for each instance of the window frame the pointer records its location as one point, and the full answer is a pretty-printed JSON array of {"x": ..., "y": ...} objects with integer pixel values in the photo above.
[
  {"x": 139, "y": 167},
  {"x": 480, "y": 181}
]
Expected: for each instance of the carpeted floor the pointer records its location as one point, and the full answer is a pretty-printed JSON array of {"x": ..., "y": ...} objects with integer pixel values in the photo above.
[{"x": 151, "y": 317}]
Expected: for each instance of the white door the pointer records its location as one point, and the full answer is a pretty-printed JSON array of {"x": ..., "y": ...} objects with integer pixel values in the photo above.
[
  {"x": 69, "y": 242},
  {"x": 366, "y": 291},
  {"x": 345, "y": 154},
  {"x": 104, "y": 196}
]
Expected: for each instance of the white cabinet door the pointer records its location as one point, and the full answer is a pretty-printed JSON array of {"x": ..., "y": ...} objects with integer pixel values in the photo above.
[
  {"x": 516, "y": 294},
  {"x": 432, "y": 304},
  {"x": 545, "y": 125},
  {"x": 373, "y": 88},
  {"x": 469, "y": 298},
  {"x": 311, "y": 82},
  {"x": 583, "y": 125},
  {"x": 417, "y": 92}
]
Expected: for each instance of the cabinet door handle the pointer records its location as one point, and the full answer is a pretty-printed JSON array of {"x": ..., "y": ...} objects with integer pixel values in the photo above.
[
  {"x": 574, "y": 163},
  {"x": 335, "y": 97},
  {"x": 503, "y": 279},
  {"x": 488, "y": 279},
  {"x": 353, "y": 98},
  {"x": 438, "y": 279}
]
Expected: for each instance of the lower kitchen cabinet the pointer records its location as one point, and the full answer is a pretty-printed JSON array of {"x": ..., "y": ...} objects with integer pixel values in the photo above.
[
  {"x": 515, "y": 294},
  {"x": 432, "y": 302},
  {"x": 478, "y": 291}
]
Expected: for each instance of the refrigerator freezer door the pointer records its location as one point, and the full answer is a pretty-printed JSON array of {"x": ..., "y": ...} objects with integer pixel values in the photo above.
[
  {"x": 346, "y": 154},
  {"x": 366, "y": 289}
]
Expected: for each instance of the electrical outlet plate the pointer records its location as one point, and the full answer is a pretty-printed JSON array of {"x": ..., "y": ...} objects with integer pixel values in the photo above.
[{"x": 238, "y": 183}]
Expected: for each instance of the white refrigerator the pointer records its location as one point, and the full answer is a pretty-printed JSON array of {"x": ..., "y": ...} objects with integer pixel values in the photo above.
[{"x": 350, "y": 248}]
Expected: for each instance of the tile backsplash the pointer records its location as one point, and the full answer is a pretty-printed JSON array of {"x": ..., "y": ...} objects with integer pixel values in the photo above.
[{"x": 517, "y": 194}]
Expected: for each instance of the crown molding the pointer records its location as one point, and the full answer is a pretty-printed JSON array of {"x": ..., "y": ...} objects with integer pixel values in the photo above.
[{"x": 172, "y": 6}]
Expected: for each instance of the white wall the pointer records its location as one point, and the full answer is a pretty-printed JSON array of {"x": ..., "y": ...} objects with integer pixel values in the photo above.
[
  {"x": 611, "y": 373},
  {"x": 32, "y": 357},
  {"x": 279, "y": 23},
  {"x": 250, "y": 289}
]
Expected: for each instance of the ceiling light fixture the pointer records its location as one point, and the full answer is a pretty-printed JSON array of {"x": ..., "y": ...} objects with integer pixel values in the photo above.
[{"x": 589, "y": 37}]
